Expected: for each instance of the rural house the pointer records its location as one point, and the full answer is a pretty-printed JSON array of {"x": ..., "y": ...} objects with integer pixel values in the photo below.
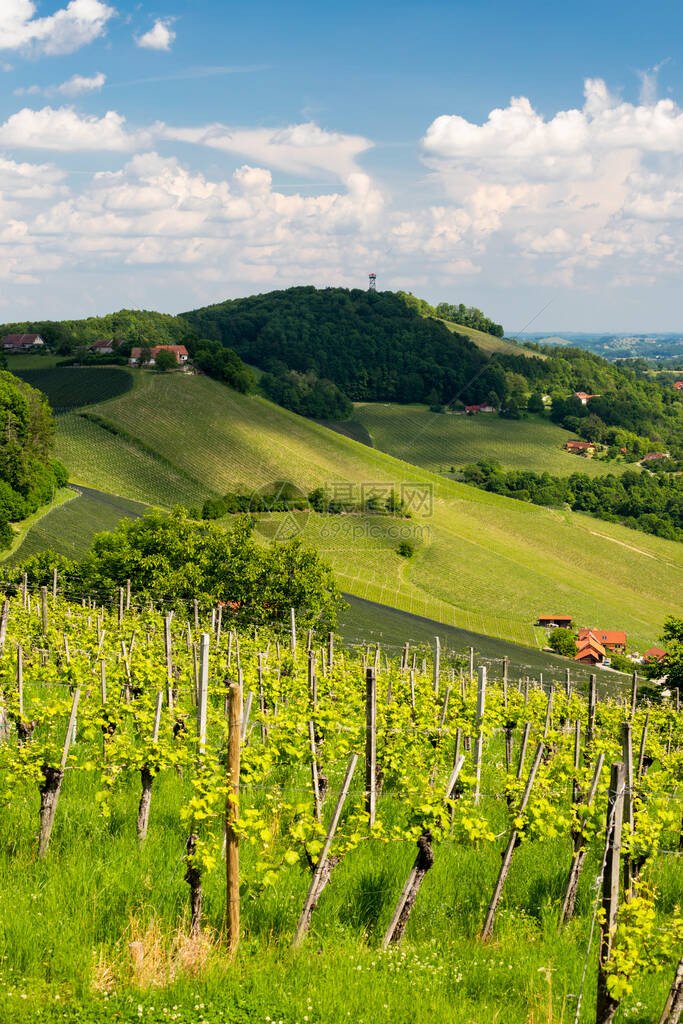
[
  {"x": 585, "y": 448},
  {"x": 583, "y": 397},
  {"x": 549, "y": 621},
  {"x": 483, "y": 407},
  {"x": 590, "y": 652},
  {"x": 612, "y": 639},
  {"x": 179, "y": 351},
  {"x": 103, "y": 346},
  {"x": 654, "y": 654},
  {"x": 678, "y": 385},
  {"x": 21, "y": 342}
]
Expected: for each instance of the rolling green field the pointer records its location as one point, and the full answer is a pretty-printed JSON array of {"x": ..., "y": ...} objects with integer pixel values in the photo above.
[
  {"x": 483, "y": 563},
  {"x": 437, "y": 441},
  {"x": 488, "y": 342}
]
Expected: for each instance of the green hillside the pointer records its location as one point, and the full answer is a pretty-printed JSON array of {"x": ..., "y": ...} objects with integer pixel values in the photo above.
[
  {"x": 437, "y": 441},
  {"x": 481, "y": 562},
  {"x": 489, "y": 343}
]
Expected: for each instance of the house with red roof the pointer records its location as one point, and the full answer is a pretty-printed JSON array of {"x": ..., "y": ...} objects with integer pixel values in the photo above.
[
  {"x": 654, "y": 654},
  {"x": 585, "y": 448},
  {"x": 590, "y": 652},
  {"x": 583, "y": 397},
  {"x": 179, "y": 351},
  {"x": 21, "y": 342},
  {"x": 678, "y": 385},
  {"x": 548, "y": 621},
  {"x": 612, "y": 639},
  {"x": 483, "y": 407}
]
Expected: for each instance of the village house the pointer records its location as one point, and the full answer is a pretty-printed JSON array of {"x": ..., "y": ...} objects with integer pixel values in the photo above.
[
  {"x": 583, "y": 397},
  {"x": 654, "y": 654},
  {"x": 678, "y": 385},
  {"x": 549, "y": 621},
  {"x": 590, "y": 651},
  {"x": 484, "y": 407},
  {"x": 21, "y": 342},
  {"x": 179, "y": 351},
  {"x": 103, "y": 346},
  {"x": 585, "y": 448},
  {"x": 654, "y": 456},
  {"x": 613, "y": 640}
]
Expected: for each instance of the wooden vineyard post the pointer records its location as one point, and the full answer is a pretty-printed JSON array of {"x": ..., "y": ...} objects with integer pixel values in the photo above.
[
  {"x": 321, "y": 873},
  {"x": 370, "y": 744},
  {"x": 52, "y": 781},
  {"x": 487, "y": 930},
  {"x": 522, "y": 749},
  {"x": 262, "y": 699},
  {"x": 641, "y": 750},
  {"x": 506, "y": 666},
  {"x": 127, "y": 595},
  {"x": 576, "y": 789},
  {"x": 203, "y": 692},
  {"x": 444, "y": 707},
  {"x": 437, "y": 664},
  {"x": 317, "y": 802},
  {"x": 606, "y": 1004},
  {"x": 629, "y": 816},
  {"x": 548, "y": 714},
  {"x": 471, "y": 679},
  {"x": 148, "y": 777},
  {"x": 422, "y": 864},
  {"x": 20, "y": 679},
  {"x": 579, "y": 847},
  {"x": 479, "y": 741},
  {"x": 43, "y": 609},
  {"x": 592, "y": 703},
  {"x": 120, "y": 605},
  {"x": 168, "y": 650},
  {"x": 673, "y": 1008},
  {"x": 330, "y": 651},
  {"x": 54, "y": 585},
  {"x": 24, "y": 591},
  {"x": 634, "y": 695},
  {"x": 292, "y": 631},
  {"x": 568, "y": 684},
  {"x": 232, "y": 855},
  {"x": 246, "y": 713}
]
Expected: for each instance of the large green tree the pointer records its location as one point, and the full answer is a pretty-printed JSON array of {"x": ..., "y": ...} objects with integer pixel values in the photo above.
[{"x": 672, "y": 638}]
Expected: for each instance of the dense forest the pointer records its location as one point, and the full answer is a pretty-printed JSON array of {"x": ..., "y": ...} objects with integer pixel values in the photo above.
[
  {"x": 370, "y": 344},
  {"x": 28, "y": 475},
  {"x": 649, "y": 502},
  {"x": 467, "y": 316}
]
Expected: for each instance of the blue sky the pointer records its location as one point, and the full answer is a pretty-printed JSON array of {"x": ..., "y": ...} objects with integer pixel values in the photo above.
[{"x": 524, "y": 158}]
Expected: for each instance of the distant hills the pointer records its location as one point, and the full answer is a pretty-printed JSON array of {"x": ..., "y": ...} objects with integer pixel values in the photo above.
[{"x": 617, "y": 346}]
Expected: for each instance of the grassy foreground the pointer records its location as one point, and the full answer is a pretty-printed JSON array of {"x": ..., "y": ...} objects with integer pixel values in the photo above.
[{"x": 483, "y": 563}]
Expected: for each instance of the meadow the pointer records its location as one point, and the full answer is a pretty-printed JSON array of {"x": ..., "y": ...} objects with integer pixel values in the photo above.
[
  {"x": 489, "y": 343},
  {"x": 440, "y": 441},
  {"x": 483, "y": 563},
  {"x": 131, "y": 952}
]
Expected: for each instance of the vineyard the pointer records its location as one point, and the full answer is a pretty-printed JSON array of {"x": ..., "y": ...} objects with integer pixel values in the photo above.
[{"x": 209, "y": 824}]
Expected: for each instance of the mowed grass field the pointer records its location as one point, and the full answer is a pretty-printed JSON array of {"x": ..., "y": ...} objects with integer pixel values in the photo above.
[
  {"x": 489, "y": 343},
  {"x": 439, "y": 441},
  {"x": 482, "y": 562}
]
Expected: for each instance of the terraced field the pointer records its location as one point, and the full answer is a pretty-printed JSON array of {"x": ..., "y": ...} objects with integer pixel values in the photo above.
[
  {"x": 438, "y": 441},
  {"x": 483, "y": 563}
]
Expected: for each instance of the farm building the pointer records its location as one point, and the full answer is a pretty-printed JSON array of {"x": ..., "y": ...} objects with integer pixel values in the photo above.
[
  {"x": 678, "y": 385},
  {"x": 548, "y": 621},
  {"x": 21, "y": 342},
  {"x": 483, "y": 407},
  {"x": 654, "y": 456},
  {"x": 103, "y": 346},
  {"x": 179, "y": 351},
  {"x": 612, "y": 639},
  {"x": 590, "y": 652},
  {"x": 585, "y": 448},
  {"x": 583, "y": 397},
  {"x": 654, "y": 654}
]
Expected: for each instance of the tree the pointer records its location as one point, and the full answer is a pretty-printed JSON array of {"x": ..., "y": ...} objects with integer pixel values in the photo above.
[
  {"x": 535, "y": 403},
  {"x": 563, "y": 642},
  {"x": 672, "y": 638},
  {"x": 165, "y": 360}
]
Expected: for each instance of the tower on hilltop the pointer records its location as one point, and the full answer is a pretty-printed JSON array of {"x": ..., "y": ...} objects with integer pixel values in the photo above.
[{"x": 372, "y": 287}]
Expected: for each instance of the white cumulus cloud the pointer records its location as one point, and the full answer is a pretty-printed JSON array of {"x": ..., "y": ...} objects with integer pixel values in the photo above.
[
  {"x": 159, "y": 37},
  {"x": 77, "y": 85},
  {"x": 66, "y": 130},
  {"x": 65, "y": 31}
]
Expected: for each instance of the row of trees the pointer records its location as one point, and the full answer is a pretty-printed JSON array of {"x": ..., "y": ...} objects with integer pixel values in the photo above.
[{"x": 653, "y": 504}]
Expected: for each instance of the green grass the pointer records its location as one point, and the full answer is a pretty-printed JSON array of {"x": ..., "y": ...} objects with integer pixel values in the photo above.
[
  {"x": 34, "y": 361},
  {"x": 68, "y": 387},
  {"x": 483, "y": 563},
  {"x": 70, "y": 528},
  {"x": 438, "y": 441},
  {"x": 489, "y": 343},
  {"x": 22, "y": 528}
]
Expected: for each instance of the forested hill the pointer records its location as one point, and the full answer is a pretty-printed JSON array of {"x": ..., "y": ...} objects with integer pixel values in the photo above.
[{"x": 372, "y": 345}]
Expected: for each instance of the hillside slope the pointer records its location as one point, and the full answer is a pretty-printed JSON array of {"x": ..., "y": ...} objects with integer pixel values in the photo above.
[{"x": 481, "y": 562}]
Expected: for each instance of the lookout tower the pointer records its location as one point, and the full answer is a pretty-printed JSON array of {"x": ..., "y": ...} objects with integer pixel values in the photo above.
[{"x": 372, "y": 287}]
